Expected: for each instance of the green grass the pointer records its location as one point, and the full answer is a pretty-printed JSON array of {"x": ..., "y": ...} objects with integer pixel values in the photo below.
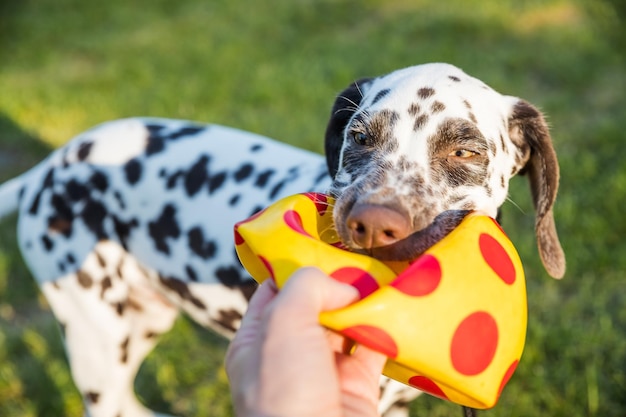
[{"x": 274, "y": 68}]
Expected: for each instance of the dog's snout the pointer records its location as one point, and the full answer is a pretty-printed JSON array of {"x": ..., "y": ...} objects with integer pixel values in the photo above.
[{"x": 373, "y": 225}]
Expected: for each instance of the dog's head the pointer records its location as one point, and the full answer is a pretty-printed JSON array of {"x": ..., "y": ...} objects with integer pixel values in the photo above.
[{"x": 406, "y": 147}]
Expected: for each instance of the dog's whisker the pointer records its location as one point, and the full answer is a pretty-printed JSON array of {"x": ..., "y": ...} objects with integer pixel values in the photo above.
[
  {"x": 356, "y": 107},
  {"x": 510, "y": 200},
  {"x": 358, "y": 88}
]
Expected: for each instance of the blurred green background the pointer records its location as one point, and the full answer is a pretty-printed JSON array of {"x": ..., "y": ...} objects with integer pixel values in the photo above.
[{"x": 274, "y": 67}]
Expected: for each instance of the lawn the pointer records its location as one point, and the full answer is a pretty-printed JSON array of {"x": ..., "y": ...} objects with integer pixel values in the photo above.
[{"x": 274, "y": 67}]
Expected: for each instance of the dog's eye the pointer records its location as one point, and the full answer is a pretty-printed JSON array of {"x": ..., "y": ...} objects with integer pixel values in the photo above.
[
  {"x": 462, "y": 153},
  {"x": 360, "y": 138}
]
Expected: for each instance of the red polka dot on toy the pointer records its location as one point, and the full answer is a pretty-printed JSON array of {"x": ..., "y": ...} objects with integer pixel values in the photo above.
[
  {"x": 294, "y": 221},
  {"x": 421, "y": 278},
  {"x": 497, "y": 258},
  {"x": 358, "y": 278},
  {"x": 427, "y": 385},
  {"x": 474, "y": 343},
  {"x": 375, "y": 338},
  {"x": 238, "y": 238}
]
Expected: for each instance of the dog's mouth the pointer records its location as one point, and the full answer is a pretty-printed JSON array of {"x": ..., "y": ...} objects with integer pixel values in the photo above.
[{"x": 414, "y": 245}]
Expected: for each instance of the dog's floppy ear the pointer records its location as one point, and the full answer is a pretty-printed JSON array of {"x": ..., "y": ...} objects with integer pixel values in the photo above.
[
  {"x": 346, "y": 103},
  {"x": 529, "y": 131}
]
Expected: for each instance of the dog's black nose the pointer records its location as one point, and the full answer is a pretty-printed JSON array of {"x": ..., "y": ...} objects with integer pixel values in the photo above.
[{"x": 373, "y": 225}]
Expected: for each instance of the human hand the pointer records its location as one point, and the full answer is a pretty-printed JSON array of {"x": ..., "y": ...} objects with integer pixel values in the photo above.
[{"x": 283, "y": 363}]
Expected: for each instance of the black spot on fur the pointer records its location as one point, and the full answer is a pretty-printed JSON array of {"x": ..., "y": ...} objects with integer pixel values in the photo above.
[
  {"x": 163, "y": 227},
  {"x": 70, "y": 258},
  {"x": 454, "y": 78},
  {"x": 132, "y": 170},
  {"x": 196, "y": 176},
  {"x": 123, "y": 229},
  {"x": 186, "y": 131},
  {"x": 380, "y": 95},
  {"x": 173, "y": 179},
  {"x": 229, "y": 276},
  {"x": 119, "y": 308},
  {"x": 105, "y": 284},
  {"x": 228, "y": 318},
  {"x": 76, "y": 191},
  {"x": 61, "y": 220},
  {"x": 92, "y": 397},
  {"x": 248, "y": 289},
  {"x": 61, "y": 208},
  {"x": 84, "y": 149},
  {"x": 276, "y": 189},
  {"x": 191, "y": 273},
  {"x": 120, "y": 199},
  {"x": 48, "y": 244},
  {"x": 93, "y": 214},
  {"x": 154, "y": 128},
  {"x": 155, "y": 145},
  {"x": 243, "y": 172},
  {"x": 234, "y": 200},
  {"x": 263, "y": 178},
  {"x": 99, "y": 181},
  {"x": 256, "y": 147},
  {"x": 124, "y": 350},
  {"x": 437, "y": 107},
  {"x": 414, "y": 109},
  {"x": 101, "y": 259},
  {"x": 181, "y": 288},
  {"x": 198, "y": 245},
  {"x": 48, "y": 181},
  {"x": 425, "y": 92},
  {"x": 60, "y": 225},
  {"x": 84, "y": 279},
  {"x": 420, "y": 122},
  {"x": 502, "y": 143},
  {"x": 292, "y": 174},
  {"x": 216, "y": 181}
]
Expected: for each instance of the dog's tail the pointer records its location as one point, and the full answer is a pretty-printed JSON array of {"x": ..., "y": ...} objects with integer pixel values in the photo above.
[{"x": 10, "y": 195}]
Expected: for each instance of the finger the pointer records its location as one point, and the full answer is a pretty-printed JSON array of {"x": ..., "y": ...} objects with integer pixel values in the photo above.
[
  {"x": 337, "y": 342},
  {"x": 360, "y": 371},
  {"x": 251, "y": 322},
  {"x": 371, "y": 359},
  {"x": 310, "y": 289},
  {"x": 264, "y": 294}
]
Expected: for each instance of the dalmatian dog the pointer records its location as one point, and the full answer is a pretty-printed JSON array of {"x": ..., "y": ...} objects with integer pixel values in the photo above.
[{"x": 131, "y": 222}]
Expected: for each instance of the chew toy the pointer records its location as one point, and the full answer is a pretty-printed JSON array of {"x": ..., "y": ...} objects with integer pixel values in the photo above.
[{"x": 452, "y": 324}]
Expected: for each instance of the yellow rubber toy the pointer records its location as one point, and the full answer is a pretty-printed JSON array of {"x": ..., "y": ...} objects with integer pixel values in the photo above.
[{"x": 452, "y": 324}]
